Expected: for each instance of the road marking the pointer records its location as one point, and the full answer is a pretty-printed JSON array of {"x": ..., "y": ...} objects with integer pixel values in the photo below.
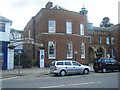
[
  {"x": 70, "y": 85},
  {"x": 9, "y": 78}
]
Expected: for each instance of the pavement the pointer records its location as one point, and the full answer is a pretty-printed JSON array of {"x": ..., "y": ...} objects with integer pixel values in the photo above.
[{"x": 34, "y": 71}]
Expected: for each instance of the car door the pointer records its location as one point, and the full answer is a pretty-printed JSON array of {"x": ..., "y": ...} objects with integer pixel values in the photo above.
[
  {"x": 113, "y": 64},
  {"x": 69, "y": 67},
  {"x": 77, "y": 67}
]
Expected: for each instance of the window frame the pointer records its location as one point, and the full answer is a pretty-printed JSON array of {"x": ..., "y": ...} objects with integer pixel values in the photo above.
[
  {"x": 69, "y": 27},
  {"x": 82, "y": 50},
  {"x": 51, "y": 26},
  {"x": 82, "y": 29},
  {"x": 69, "y": 55},
  {"x": 2, "y": 27},
  {"x": 52, "y": 56}
]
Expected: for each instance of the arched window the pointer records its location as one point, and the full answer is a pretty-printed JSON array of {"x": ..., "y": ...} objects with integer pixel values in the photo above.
[{"x": 82, "y": 50}]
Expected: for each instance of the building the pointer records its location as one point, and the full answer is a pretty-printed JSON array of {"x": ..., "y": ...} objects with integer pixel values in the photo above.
[
  {"x": 103, "y": 42},
  {"x": 61, "y": 33},
  {"x": 4, "y": 41},
  {"x": 67, "y": 35}
]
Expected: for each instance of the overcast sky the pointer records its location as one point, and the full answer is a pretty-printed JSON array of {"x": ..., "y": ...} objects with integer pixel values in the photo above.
[{"x": 21, "y": 11}]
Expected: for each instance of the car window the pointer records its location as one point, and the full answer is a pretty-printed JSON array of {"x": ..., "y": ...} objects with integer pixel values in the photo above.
[
  {"x": 67, "y": 63},
  {"x": 107, "y": 60},
  {"x": 76, "y": 64},
  {"x": 112, "y": 60},
  {"x": 60, "y": 63}
]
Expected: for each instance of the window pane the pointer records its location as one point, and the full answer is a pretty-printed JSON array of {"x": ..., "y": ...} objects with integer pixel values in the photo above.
[
  {"x": 81, "y": 29},
  {"x": 82, "y": 50},
  {"x": 60, "y": 63},
  {"x": 76, "y": 64},
  {"x": 51, "y": 26},
  {"x": 69, "y": 27},
  {"x": 69, "y": 50},
  {"x": 2, "y": 27},
  {"x": 67, "y": 63},
  {"x": 51, "y": 50}
]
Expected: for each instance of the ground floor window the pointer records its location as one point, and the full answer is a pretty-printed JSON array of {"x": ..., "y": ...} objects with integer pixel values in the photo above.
[
  {"x": 82, "y": 50},
  {"x": 51, "y": 50},
  {"x": 69, "y": 50}
]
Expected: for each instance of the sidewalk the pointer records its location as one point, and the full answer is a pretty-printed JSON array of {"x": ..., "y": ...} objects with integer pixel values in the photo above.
[
  {"x": 35, "y": 71},
  {"x": 24, "y": 72}
]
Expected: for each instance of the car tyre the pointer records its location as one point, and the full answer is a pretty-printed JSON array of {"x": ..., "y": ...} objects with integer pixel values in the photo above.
[
  {"x": 104, "y": 70},
  {"x": 62, "y": 73},
  {"x": 86, "y": 71}
]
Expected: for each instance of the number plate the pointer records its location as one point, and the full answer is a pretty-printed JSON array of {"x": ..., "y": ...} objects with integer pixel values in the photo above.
[{"x": 96, "y": 66}]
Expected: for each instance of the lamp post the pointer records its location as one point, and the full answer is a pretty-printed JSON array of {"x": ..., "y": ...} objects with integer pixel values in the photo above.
[{"x": 19, "y": 52}]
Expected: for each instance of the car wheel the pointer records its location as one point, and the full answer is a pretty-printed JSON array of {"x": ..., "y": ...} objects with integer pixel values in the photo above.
[
  {"x": 104, "y": 70},
  {"x": 63, "y": 73},
  {"x": 86, "y": 71}
]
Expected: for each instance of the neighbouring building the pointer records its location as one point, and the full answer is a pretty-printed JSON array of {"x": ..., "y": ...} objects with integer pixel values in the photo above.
[
  {"x": 61, "y": 33},
  {"x": 103, "y": 42},
  {"x": 4, "y": 41}
]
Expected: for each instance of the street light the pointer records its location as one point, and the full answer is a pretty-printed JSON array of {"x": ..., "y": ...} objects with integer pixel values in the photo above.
[
  {"x": 75, "y": 53},
  {"x": 19, "y": 52}
]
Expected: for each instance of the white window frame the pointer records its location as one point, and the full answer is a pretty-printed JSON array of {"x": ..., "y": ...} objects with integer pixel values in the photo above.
[
  {"x": 52, "y": 56},
  {"x": 112, "y": 40},
  {"x": 69, "y": 27},
  {"x": 70, "y": 48},
  {"x": 107, "y": 40},
  {"x": 82, "y": 50},
  {"x": 82, "y": 29},
  {"x": 51, "y": 26}
]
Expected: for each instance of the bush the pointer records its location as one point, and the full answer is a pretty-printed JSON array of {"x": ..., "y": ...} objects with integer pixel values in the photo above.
[{"x": 34, "y": 62}]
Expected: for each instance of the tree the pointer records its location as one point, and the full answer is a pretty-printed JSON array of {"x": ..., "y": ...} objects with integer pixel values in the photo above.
[{"x": 105, "y": 22}]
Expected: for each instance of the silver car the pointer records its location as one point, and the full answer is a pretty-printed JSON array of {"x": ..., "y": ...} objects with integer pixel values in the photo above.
[{"x": 63, "y": 67}]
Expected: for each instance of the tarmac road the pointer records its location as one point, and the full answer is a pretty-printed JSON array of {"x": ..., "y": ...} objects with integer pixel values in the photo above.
[{"x": 92, "y": 80}]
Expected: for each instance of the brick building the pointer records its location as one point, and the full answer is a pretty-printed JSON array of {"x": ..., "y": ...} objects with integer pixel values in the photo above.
[
  {"x": 62, "y": 34},
  {"x": 103, "y": 42},
  {"x": 66, "y": 35}
]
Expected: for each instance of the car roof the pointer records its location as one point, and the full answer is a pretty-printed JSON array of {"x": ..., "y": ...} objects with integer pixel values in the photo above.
[{"x": 62, "y": 60}]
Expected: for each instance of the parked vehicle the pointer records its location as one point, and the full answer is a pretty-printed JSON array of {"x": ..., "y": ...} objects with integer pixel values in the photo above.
[
  {"x": 105, "y": 64},
  {"x": 63, "y": 67}
]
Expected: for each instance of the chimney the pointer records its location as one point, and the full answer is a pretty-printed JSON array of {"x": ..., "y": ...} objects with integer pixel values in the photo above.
[{"x": 49, "y": 5}]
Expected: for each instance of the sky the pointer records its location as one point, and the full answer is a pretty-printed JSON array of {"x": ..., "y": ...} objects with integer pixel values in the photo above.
[{"x": 21, "y": 11}]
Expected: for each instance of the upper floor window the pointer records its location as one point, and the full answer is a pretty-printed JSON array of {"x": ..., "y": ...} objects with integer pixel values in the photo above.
[
  {"x": 2, "y": 27},
  {"x": 69, "y": 27},
  {"x": 99, "y": 40},
  {"x": 82, "y": 50},
  {"x": 51, "y": 26},
  {"x": 51, "y": 50},
  {"x": 89, "y": 39},
  {"x": 107, "y": 40},
  {"x": 112, "y": 40},
  {"x": 69, "y": 50},
  {"x": 81, "y": 29}
]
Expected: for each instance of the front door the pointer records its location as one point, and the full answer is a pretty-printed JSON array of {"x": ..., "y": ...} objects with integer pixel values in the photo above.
[{"x": 42, "y": 58}]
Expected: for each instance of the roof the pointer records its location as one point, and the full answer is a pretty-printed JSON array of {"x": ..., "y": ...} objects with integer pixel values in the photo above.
[
  {"x": 100, "y": 29},
  {"x": 57, "y": 7},
  {"x": 3, "y": 19}
]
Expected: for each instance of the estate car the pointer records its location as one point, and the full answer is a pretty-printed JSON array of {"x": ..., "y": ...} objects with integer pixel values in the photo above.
[{"x": 63, "y": 67}]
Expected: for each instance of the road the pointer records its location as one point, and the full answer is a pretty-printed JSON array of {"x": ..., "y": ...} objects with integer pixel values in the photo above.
[{"x": 93, "y": 80}]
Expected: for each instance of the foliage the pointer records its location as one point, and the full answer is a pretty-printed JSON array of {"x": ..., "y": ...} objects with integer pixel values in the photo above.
[
  {"x": 34, "y": 62},
  {"x": 105, "y": 22}
]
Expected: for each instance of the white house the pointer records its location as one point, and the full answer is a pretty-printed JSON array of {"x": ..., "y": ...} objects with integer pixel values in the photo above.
[{"x": 4, "y": 41}]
